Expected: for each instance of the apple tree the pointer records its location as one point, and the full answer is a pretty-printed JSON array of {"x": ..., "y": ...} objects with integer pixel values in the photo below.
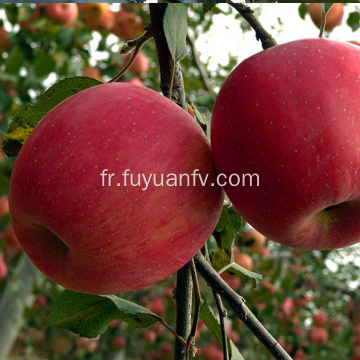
[{"x": 177, "y": 272}]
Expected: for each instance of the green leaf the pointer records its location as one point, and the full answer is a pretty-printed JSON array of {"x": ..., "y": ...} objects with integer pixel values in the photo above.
[
  {"x": 14, "y": 61},
  {"x": 326, "y": 6},
  {"x": 5, "y": 99},
  {"x": 44, "y": 64},
  {"x": 302, "y": 10},
  {"x": 354, "y": 20},
  {"x": 175, "y": 28},
  {"x": 28, "y": 117},
  {"x": 209, "y": 319},
  {"x": 65, "y": 37},
  {"x": 90, "y": 315},
  {"x": 224, "y": 219},
  {"x": 203, "y": 117},
  {"x": 207, "y": 7},
  {"x": 220, "y": 258},
  {"x": 244, "y": 274},
  {"x": 11, "y": 11}
]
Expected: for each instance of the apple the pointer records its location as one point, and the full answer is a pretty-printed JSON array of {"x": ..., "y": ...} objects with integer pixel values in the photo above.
[
  {"x": 253, "y": 240},
  {"x": 234, "y": 281},
  {"x": 4, "y": 41},
  {"x": 136, "y": 81},
  {"x": 127, "y": 25},
  {"x": 157, "y": 306},
  {"x": 149, "y": 336},
  {"x": 270, "y": 121},
  {"x": 104, "y": 22},
  {"x": 212, "y": 352},
  {"x": 354, "y": 42},
  {"x": 3, "y": 268},
  {"x": 96, "y": 10},
  {"x": 4, "y": 206},
  {"x": 140, "y": 65},
  {"x": 333, "y": 17},
  {"x": 119, "y": 342},
  {"x": 93, "y": 72},
  {"x": 88, "y": 344},
  {"x": 82, "y": 229},
  {"x": 244, "y": 260},
  {"x": 318, "y": 335},
  {"x": 64, "y": 13},
  {"x": 319, "y": 318}
]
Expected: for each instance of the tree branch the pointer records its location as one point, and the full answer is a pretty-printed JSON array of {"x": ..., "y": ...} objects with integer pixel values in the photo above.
[
  {"x": 166, "y": 62},
  {"x": 266, "y": 39},
  {"x": 237, "y": 303}
]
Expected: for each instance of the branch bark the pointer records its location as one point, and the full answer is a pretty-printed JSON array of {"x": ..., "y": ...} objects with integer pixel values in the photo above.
[
  {"x": 237, "y": 303},
  {"x": 266, "y": 39}
]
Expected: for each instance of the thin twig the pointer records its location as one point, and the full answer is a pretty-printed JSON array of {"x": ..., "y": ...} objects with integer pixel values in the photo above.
[
  {"x": 222, "y": 314},
  {"x": 237, "y": 303},
  {"x": 266, "y": 39},
  {"x": 199, "y": 64}
]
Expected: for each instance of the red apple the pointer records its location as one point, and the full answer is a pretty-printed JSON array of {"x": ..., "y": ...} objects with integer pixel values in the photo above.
[
  {"x": 253, "y": 240},
  {"x": 318, "y": 335},
  {"x": 136, "y": 81},
  {"x": 333, "y": 17},
  {"x": 157, "y": 306},
  {"x": 270, "y": 121},
  {"x": 149, "y": 336},
  {"x": 95, "y": 238},
  {"x": 140, "y": 65},
  {"x": 4, "y": 206},
  {"x": 96, "y": 10},
  {"x": 234, "y": 281},
  {"x": 354, "y": 42},
  {"x": 244, "y": 260},
  {"x": 127, "y": 25},
  {"x": 320, "y": 318},
  {"x": 93, "y": 72},
  {"x": 119, "y": 342},
  {"x": 3, "y": 268},
  {"x": 64, "y": 13},
  {"x": 104, "y": 22},
  {"x": 4, "y": 41}
]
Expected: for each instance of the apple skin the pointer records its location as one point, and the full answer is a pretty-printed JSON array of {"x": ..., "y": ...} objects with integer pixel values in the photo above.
[
  {"x": 320, "y": 318},
  {"x": 318, "y": 335},
  {"x": 253, "y": 240},
  {"x": 333, "y": 17},
  {"x": 104, "y": 22},
  {"x": 127, "y": 25},
  {"x": 93, "y": 72},
  {"x": 140, "y": 65},
  {"x": 269, "y": 119},
  {"x": 106, "y": 240},
  {"x": 64, "y": 13}
]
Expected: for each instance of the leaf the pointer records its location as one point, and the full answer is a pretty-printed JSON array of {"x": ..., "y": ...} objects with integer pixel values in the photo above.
[
  {"x": 326, "y": 6},
  {"x": 208, "y": 318},
  {"x": 44, "y": 64},
  {"x": 11, "y": 11},
  {"x": 65, "y": 37},
  {"x": 5, "y": 99},
  {"x": 175, "y": 28},
  {"x": 244, "y": 274},
  {"x": 207, "y": 7},
  {"x": 14, "y": 61},
  {"x": 28, "y": 117},
  {"x": 224, "y": 219},
  {"x": 203, "y": 117},
  {"x": 302, "y": 9},
  {"x": 90, "y": 315},
  {"x": 354, "y": 20}
]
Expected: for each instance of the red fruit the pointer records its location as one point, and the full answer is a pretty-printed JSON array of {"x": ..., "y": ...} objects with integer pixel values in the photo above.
[
  {"x": 127, "y": 25},
  {"x": 268, "y": 285},
  {"x": 64, "y": 13},
  {"x": 149, "y": 336},
  {"x": 119, "y": 342},
  {"x": 166, "y": 348},
  {"x": 3, "y": 268},
  {"x": 157, "y": 306},
  {"x": 113, "y": 239},
  {"x": 136, "y": 81},
  {"x": 89, "y": 344},
  {"x": 287, "y": 306},
  {"x": 93, "y": 72},
  {"x": 308, "y": 193},
  {"x": 234, "y": 281},
  {"x": 104, "y": 22},
  {"x": 96, "y": 10},
  {"x": 253, "y": 240},
  {"x": 40, "y": 301},
  {"x": 244, "y": 260},
  {"x": 140, "y": 65},
  {"x": 10, "y": 238},
  {"x": 4, "y": 205},
  {"x": 212, "y": 352},
  {"x": 333, "y": 17},
  {"x": 4, "y": 41},
  {"x": 320, "y": 318},
  {"x": 318, "y": 336},
  {"x": 298, "y": 331}
]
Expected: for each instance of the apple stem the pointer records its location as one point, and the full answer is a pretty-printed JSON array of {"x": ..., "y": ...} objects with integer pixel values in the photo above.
[
  {"x": 266, "y": 39},
  {"x": 138, "y": 43},
  {"x": 323, "y": 22},
  {"x": 237, "y": 303}
]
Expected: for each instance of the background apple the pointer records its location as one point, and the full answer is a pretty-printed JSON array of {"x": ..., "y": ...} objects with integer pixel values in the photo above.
[
  {"x": 93, "y": 72},
  {"x": 65, "y": 13},
  {"x": 131, "y": 238},
  {"x": 4, "y": 206},
  {"x": 333, "y": 17},
  {"x": 127, "y": 25},
  {"x": 140, "y": 65},
  {"x": 4, "y": 41},
  {"x": 319, "y": 318},
  {"x": 244, "y": 260},
  {"x": 3, "y": 268},
  {"x": 318, "y": 335},
  {"x": 269, "y": 120},
  {"x": 253, "y": 240}
]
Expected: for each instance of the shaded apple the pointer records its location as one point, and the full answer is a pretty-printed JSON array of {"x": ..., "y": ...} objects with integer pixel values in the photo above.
[{"x": 333, "y": 17}]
